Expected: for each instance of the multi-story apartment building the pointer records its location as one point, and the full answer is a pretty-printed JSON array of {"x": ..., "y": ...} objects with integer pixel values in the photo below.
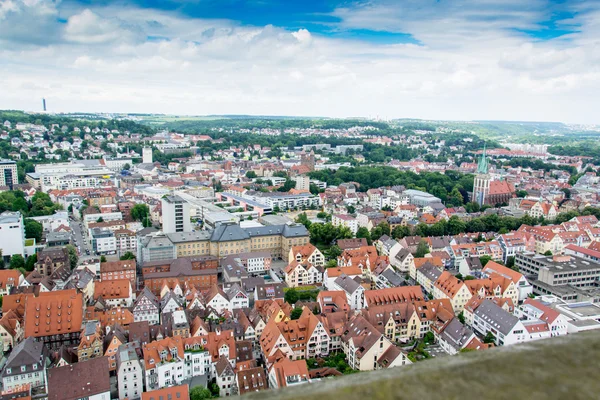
[
  {"x": 26, "y": 367},
  {"x": 130, "y": 373},
  {"x": 298, "y": 339},
  {"x": 365, "y": 347},
  {"x": 124, "y": 269},
  {"x": 103, "y": 241},
  {"x": 8, "y": 173},
  {"x": 304, "y": 273},
  {"x": 449, "y": 287},
  {"x": 165, "y": 363},
  {"x": 345, "y": 220},
  {"x": 125, "y": 241},
  {"x": 12, "y": 234},
  {"x": 306, "y": 253},
  {"x": 175, "y": 214},
  {"x": 488, "y": 317},
  {"x": 115, "y": 292}
]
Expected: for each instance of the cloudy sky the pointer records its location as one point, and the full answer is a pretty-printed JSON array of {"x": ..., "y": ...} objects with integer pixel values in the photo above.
[{"x": 440, "y": 59}]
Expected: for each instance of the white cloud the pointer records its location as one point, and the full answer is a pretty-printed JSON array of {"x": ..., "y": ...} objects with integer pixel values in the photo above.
[
  {"x": 463, "y": 68},
  {"x": 88, "y": 27}
]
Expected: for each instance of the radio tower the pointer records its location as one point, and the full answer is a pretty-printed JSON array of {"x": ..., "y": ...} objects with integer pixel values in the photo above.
[{"x": 44, "y": 104}]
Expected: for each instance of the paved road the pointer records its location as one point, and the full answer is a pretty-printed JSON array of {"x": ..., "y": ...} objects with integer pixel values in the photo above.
[{"x": 79, "y": 237}]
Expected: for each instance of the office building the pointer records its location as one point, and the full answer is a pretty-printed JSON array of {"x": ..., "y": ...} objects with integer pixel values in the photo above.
[
  {"x": 147, "y": 155},
  {"x": 12, "y": 234},
  {"x": 176, "y": 215},
  {"x": 8, "y": 173}
]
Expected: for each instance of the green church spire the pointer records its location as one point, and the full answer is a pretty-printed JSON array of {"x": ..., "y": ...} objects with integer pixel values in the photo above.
[{"x": 482, "y": 165}]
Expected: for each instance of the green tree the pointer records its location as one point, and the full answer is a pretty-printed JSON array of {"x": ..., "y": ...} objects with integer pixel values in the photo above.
[
  {"x": 296, "y": 313},
  {"x": 139, "y": 212},
  {"x": 250, "y": 174},
  {"x": 291, "y": 296},
  {"x": 127, "y": 167},
  {"x": 314, "y": 189},
  {"x": 455, "y": 226},
  {"x": 73, "y": 256},
  {"x": 400, "y": 231},
  {"x": 484, "y": 260},
  {"x": 489, "y": 338},
  {"x": 102, "y": 259},
  {"x": 200, "y": 393},
  {"x": 461, "y": 317},
  {"x": 383, "y": 228},
  {"x": 331, "y": 264},
  {"x": 422, "y": 249},
  {"x": 17, "y": 262},
  {"x": 303, "y": 219},
  {"x": 287, "y": 186},
  {"x": 100, "y": 219},
  {"x": 522, "y": 193},
  {"x": 214, "y": 389},
  {"x": 128, "y": 256},
  {"x": 33, "y": 230},
  {"x": 30, "y": 263},
  {"x": 548, "y": 253},
  {"x": 363, "y": 233},
  {"x": 510, "y": 262}
]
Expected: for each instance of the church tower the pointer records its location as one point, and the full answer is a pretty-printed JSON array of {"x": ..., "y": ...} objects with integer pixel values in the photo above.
[{"x": 481, "y": 186}]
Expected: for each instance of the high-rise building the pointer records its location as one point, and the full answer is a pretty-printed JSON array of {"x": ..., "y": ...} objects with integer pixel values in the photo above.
[
  {"x": 147, "y": 155},
  {"x": 176, "y": 215},
  {"x": 12, "y": 234},
  {"x": 8, "y": 173},
  {"x": 302, "y": 183}
]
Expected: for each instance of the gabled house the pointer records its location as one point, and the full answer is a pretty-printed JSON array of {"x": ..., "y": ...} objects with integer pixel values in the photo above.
[
  {"x": 116, "y": 292},
  {"x": 11, "y": 330},
  {"x": 524, "y": 288},
  {"x": 364, "y": 346},
  {"x": 26, "y": 365},
  {"x": 287, "y": 373},
  {"x": 302, "y": 273},
  {"x": 352, "y": 288},
  {"x": 225, "y": 378},
  {"x": 450, "y": 287},
  {"x": 506, "y": 328},
  {"x": 146, "y": 307},
  {"x": 306, "y": 253}
]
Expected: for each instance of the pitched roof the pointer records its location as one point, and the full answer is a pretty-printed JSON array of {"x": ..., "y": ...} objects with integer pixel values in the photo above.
[
  {"x": 9, "y": 277},
  {"x": 497, "y": 317},
  {"x": 117, "y": 266},
  {"x": 84, "y": 379},
  {"x": 449, "y": 284},
  {"x": 54, "y": 313},
  {"x": 26, "y": 353},
  {"x": 180, "y": 392},
  {"x": 393, "y": 295},
  {"x": 113, "y": 289},
  {"x": 493, "y": 267}
]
